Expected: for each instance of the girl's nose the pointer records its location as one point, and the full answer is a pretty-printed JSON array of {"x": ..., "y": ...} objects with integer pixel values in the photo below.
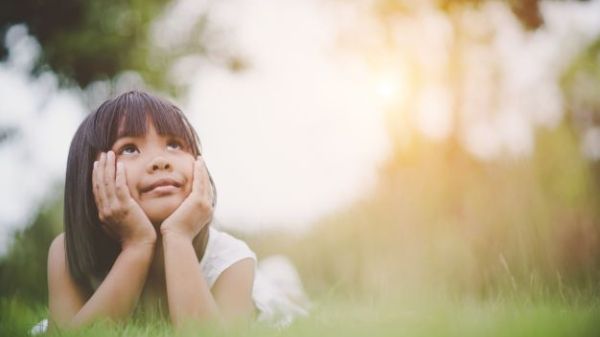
[{"x": 159, "y": 163}]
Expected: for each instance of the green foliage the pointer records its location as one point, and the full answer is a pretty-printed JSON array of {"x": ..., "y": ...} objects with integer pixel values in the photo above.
[
  {"x": 23, "y": 269},
  {"x": 85, "y": 41}
]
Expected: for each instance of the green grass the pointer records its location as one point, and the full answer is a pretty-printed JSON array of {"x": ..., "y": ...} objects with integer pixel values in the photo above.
[{"x": 391, "y": 317}]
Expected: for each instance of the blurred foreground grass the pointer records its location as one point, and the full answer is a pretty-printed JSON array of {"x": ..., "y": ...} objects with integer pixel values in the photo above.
[{"x": 424, "y": 316}]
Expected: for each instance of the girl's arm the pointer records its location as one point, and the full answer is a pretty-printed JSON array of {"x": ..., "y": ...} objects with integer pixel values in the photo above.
[
  {"x": 114, "y": 299},
  {"x": 189, "y": 296},
  {"x": 124, "y": 220}
]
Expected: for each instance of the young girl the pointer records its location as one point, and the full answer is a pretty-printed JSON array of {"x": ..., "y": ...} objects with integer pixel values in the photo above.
[{"x": 139, "y": 201}]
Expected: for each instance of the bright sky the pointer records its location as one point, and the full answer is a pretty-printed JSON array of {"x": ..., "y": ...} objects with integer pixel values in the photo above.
[
  {"x": 299, "y": 133},
  {"x": 302, "y": 131}
]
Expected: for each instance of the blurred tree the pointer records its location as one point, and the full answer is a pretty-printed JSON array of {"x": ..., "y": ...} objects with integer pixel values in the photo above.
[
  {"x": 580, "y": 84},
  {"x": 85, "y": 41},
  {"x": 528, "y": 11},
  {"x": 522, "y": 223},
  {"x": 455, "y": 71}
]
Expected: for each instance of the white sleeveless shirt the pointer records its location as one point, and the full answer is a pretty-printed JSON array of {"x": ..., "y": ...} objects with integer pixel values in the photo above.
[
  {"x": 222, "y": 250},
  {"x": 277, "y": 292}
]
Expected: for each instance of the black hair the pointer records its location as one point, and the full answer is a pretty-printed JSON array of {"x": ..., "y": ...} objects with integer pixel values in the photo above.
[{"x": 90, "y": 251}]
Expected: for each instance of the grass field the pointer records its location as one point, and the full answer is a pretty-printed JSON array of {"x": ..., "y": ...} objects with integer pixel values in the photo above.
[{"x": 416, "y": 316}]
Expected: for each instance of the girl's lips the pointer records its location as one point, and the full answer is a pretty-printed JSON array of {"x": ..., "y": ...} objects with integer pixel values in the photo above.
[
  {"x": 162, "y": 190},
  {"x": 162, "y": 186}
]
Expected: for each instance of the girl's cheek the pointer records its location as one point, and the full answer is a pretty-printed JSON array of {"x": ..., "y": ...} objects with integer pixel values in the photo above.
[
  {"x": 189, "y": 176},
  {"x": 131, "y": 183}
]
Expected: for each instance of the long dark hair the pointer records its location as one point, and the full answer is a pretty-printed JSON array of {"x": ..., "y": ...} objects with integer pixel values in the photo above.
[{"x": 90, "y": 251}]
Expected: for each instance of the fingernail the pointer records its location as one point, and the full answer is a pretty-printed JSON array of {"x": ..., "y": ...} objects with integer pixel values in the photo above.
[{"x": 95, "y": 164}]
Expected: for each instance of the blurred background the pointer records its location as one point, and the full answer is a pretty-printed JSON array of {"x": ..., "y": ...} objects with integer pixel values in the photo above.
[{"x": 385, "y": 146}]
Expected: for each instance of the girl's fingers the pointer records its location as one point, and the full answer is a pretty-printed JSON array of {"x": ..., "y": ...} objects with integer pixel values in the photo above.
[
  {"x": 95, "y": 187},
  {"x": 208, "y": 186},
  {"x": 203, "y": 183},
  {"x": 197, "y": 178},
  {"x": 109, "y": 176},
  {"x": 121, "y": 189},
  {"x": 211, "y": 189},
  {"x": 100, "y": 184}
]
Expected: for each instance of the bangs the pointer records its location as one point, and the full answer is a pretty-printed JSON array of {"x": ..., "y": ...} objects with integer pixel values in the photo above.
[{"x": 128, "y": 115}]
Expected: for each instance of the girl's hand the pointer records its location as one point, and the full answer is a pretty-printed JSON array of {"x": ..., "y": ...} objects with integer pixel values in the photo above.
[
  {"x": 196, "y": 210},
  {"x": 121, "y": 216}
]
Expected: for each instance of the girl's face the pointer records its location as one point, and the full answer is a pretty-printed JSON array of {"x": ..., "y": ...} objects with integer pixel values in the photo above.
[{"x": 159, "y": 171}]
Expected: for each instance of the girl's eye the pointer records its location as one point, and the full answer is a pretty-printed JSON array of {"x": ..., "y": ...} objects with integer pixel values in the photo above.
[
  {"x": 128, "y": 149},
  {"x": 174, "y": 144}
]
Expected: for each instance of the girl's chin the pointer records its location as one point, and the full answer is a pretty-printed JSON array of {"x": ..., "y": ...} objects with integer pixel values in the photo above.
[
  {"x": 158, "y": 213},
  {"x": 159, "y": 217}
]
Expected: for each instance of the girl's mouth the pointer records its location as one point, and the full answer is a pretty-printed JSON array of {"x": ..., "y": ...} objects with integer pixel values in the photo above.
[{"x": 162, "y": 186}]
